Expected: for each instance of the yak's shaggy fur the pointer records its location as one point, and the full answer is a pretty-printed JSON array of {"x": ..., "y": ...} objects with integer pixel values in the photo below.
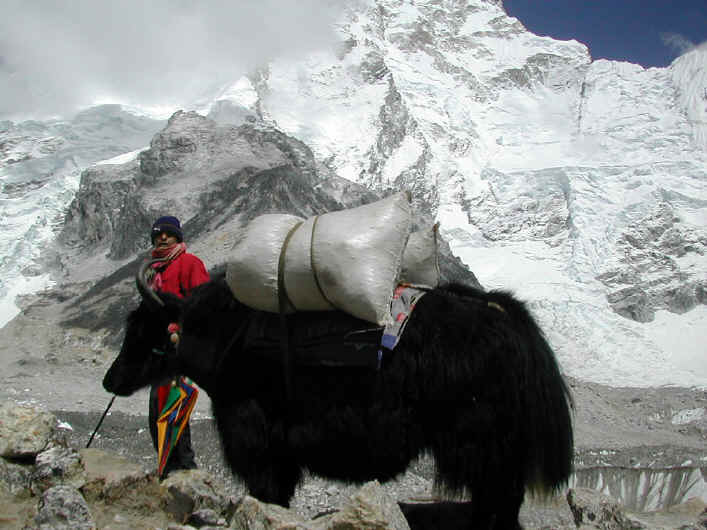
[{"x": 473, "y": 384}]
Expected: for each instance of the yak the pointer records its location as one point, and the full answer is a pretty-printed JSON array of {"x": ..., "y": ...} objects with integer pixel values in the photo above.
[{"x": 473, "y": 383}]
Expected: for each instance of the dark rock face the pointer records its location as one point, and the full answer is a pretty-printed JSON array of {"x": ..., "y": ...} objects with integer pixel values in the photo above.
[
  {"x": 201, "y": 172},
  {"x": 656, "y": 256},
  {"x": 633, "y": 303},
  {"x": 93, "y": 219}
]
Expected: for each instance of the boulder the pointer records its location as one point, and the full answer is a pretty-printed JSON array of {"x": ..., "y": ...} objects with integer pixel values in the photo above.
[
  {"x": 57, "y": 465},
  {"x": 15, "y": 478},
  {"x": 370, "y": 507},
  {"x": 63, "y": 507},
  {"x": 592, "y": 509},
  {"x": 189, "y": 494},
  {"x": 117, "y": 481},
  {"x": 206, "y": 517},
  {"x": 24, "y": 431},
  {"x": 251, "y": 513}
]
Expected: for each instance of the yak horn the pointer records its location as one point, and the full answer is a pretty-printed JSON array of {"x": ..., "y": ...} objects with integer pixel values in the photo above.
[{"x": 147, "y": 293}]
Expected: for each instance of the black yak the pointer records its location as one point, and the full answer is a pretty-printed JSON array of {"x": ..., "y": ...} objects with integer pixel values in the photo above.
[{"x": 472, "y": 382}]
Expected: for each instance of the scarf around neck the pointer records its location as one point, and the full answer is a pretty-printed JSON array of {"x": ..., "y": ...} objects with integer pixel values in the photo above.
[{"x": 166, "y": 256}]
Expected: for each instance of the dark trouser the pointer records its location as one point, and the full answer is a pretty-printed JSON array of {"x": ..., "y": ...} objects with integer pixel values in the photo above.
[{"x": 182, "y": 456}]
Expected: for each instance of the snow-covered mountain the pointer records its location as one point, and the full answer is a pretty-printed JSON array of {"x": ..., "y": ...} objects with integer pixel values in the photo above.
[
  {"x": 40, "y": 168},
  {"x": 579, "y": 184}
]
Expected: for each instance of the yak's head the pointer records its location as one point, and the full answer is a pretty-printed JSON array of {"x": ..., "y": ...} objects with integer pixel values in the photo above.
[{"x": 147, "y": 355}]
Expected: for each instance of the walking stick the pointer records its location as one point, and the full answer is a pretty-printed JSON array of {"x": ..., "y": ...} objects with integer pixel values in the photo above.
[{"x": 101, "y": 421}]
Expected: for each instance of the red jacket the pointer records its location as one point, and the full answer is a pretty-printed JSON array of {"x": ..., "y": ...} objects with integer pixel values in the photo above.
[{"x": 183, "y": 274}]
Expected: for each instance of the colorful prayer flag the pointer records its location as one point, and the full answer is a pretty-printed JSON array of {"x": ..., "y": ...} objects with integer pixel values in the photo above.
[{"x": 173, "y": 418}]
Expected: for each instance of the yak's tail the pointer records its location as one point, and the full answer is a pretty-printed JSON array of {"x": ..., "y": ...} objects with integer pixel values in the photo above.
[
  {"x": 546, "y": 426},
  {"x": 518, "y": 422}
]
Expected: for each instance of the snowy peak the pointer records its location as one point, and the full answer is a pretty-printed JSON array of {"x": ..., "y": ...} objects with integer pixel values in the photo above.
[
  {"x": 549, "y": 172},
  {"x": 432, "y": 87},
  {"x": 626, "y": 109},
  {"x": 40, "y": 164},
  {"x": 689, "y": 74}
]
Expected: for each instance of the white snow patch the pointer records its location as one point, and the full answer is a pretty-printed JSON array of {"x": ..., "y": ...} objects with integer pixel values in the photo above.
[
  {"x": 404, "y": 156},
  {"x": 686, "y": 416},
  {"x": 683, "y": 338},
  {"x": 122, "y": 159}
]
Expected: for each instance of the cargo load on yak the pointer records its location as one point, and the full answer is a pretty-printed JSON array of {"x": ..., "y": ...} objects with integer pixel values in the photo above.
[{"x": 351, "y": 260}]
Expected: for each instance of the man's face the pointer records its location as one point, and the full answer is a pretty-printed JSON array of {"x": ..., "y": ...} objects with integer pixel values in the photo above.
[{"x": 164, "y": 240}]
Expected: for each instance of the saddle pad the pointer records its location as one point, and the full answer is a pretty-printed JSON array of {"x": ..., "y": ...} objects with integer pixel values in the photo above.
[
  {"x": 404, "y": 299},
  {"x": 321, "y": 338}
]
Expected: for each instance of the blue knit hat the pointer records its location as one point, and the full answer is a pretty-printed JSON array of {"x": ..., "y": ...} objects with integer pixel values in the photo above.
[{"x": 167, "y": 224}]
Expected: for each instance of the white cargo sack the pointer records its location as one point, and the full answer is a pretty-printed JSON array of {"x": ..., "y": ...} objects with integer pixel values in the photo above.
[
  {"x": 349, "y": 260},
  {"x": 420, "y": 259},
  {"x": 251, "y": 271}
]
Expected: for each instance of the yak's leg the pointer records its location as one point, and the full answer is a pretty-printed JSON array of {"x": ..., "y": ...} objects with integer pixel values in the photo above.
[
  {"x": 256, "y": 451},
  {"x": 273, "y": 479},
  {"x": 508, "y": 508},
  {"x": 432, "y": 516},
  {"x": 477, "y": 457},
  {"x": 496, "y": 506}
]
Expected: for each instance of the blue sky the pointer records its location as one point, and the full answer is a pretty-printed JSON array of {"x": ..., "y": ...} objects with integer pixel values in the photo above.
[{"x": 646, "y": 32}]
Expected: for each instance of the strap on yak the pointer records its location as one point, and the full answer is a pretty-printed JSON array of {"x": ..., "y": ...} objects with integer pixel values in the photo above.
[
  {"x": 312, "y": 265},
  {"x": 284, "y": 305}
]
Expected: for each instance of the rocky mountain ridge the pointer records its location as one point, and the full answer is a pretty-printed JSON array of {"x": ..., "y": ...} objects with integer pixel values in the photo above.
[{"x": 216, "y": 178}]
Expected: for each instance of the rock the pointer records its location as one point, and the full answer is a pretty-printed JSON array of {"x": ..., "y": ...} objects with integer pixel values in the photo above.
[
  {"x": 251, "y": 513},
  {"x": 632, "y": 302},
  {"x": 63, "y": 507},
  {"x": 24, "y": 431},
  {"x": 118, "y": 482},
  {"x": 651, "y": 269},
  {"x": 57, "y": 465},
  {"x": 185, "y": 493},
  {"x": 592, "y": 509},
  {"x": 15, "y": 478},
  {"x": 206, "y": 517},
  {"x": 370, "y": 507},
  {"x": 226, "y": 171}
]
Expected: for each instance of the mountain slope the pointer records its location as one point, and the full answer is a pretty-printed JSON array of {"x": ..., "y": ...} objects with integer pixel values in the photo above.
[{"x": 40, "y": 167}]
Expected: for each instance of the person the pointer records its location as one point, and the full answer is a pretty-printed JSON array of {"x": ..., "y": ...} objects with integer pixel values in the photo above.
[{"x": 178, "y": 273}]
